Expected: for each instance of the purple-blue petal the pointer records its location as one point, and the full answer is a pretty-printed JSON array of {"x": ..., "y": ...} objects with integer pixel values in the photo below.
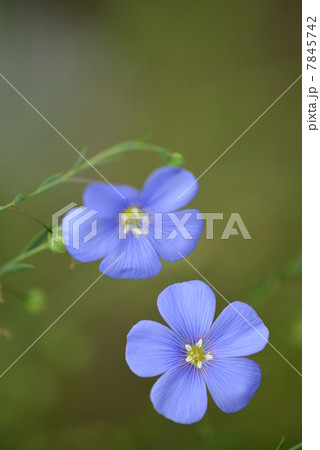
[
  {"x": 188, "y": 308},
  {"x": 152, "y": 349},
  {"x": 109, "y": 201},
  {"x": 232, "y": 382},
  {"x": 88, "y": 236},
  {"x": 238, "y": 331},
  {"x": 180, "y": 395},
  {"x": 133, "y": 257},
  {"x": 176, "y": 234},
  {"x": 163, "y": 188}
]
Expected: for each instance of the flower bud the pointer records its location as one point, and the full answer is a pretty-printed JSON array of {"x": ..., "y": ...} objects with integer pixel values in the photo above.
[
  {"x": 55, "y": 240},
  {"x": 176, "y": 160}
]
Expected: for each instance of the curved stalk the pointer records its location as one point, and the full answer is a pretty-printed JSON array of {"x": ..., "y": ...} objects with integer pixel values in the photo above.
[{"x": 101, "y": 158}]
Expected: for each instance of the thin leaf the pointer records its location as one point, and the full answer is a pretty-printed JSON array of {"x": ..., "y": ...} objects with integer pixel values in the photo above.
[
  {"x": 280, "y": 444},
  {"x": 146, "y": 137},
  {"x": 18, "y": 198},
  {"x": 15, "y": 268},
  {"x": 80, "y": 159},
  {"x": 296, "y": 447},
  {"x": 37, "y": 240},
  {"x": 49, "y": 180}
]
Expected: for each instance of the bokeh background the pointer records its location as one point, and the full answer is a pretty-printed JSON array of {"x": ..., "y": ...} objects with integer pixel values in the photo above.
[{"x": 195, "y": 75}]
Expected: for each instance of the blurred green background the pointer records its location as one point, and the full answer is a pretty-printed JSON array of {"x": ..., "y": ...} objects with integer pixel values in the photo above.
[{"x": 195, "y": 75}]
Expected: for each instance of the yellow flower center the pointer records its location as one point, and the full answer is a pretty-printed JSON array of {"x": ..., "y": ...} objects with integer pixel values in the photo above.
[
  {"x": 135, "y": 220},
  {"x": 196, "y": 354}
]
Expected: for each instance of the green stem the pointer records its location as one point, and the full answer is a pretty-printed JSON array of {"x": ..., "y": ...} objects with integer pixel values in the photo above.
[
  {"x": 18, "y": 259},
  {"x": 40, "y": 190},
  {"x": 130, "y": 146},
  {"x": 101, "y": 158}
]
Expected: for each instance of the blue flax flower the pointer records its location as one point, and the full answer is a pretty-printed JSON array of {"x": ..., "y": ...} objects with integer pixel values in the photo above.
[
  {"x": 194, "y": 354},
  {"x": 134, "y": 229}
]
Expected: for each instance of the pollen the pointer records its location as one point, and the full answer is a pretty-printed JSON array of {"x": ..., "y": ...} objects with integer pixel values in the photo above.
[
  {"x": 135, "y": 220},
  {"x": 196, "y": 354}
]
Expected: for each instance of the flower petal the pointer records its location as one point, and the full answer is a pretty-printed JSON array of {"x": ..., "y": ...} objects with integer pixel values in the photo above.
[
  {"x": 87, "y": 235},
  {"x": 133, "y": 257},
  {"x": 238, "y": 331},
  {"x": 232, "y": 382},
  {"x": 165, "y": 185},
  {"x": 107, "y": 200},
  {"x": 152, "y": 349},
  {"x": 180, "y": 395},
  {"x": 176, "y": 233},
  {"x": 188, "y": 308}
]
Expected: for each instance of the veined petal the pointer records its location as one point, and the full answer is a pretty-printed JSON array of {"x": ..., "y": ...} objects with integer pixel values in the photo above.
[
  {"x": 175, "y": 233},
  {"x": 188, "y": 308},
  {"x": 232, "y": 382},
  {"x": 180, "y": 395},
  {"x": 88, "y": 236},
  {"x": 238, "y": 331},
  {"x": 107, "y": 200},
  {"x": 133, "y": 257},
  {"x": 165, "y": 185},
  {"x": 152, "y": 349}
]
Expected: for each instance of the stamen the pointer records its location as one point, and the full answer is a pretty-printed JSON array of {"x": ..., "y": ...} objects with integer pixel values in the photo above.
[
  {"x": 135, "y": 220},
  {"x": 196, "y": 354}
]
